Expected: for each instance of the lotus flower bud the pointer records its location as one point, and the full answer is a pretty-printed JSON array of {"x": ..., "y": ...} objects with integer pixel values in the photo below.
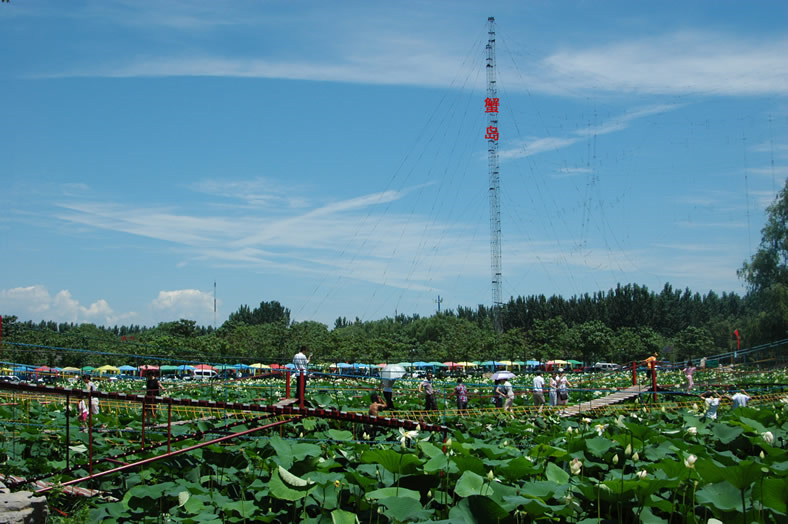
[
  {"x": 768, "y": 437},
  {"x": 636, "y": 457},
  {"x": 615, "y": 459},
  {"x": 690, "y": 461},
  {"x": 642, "y": 474},
  {"x": 628, "y": 450}
]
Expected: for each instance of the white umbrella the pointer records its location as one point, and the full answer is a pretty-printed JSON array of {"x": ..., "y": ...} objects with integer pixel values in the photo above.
[
  {"x": 392, "y": 372},
  {"x": 502, "y": 375}
]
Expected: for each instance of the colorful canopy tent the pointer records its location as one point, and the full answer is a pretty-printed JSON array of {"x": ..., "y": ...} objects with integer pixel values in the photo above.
[
  {"x": 223, "y": 367},
  {"x": 70, "y": 370},
  {"x": 126, "y": 367},
  {"x": 6, "y": 371},
  {"x": 241, "y": 366},
  {"x": 550, "y": 364},
  {"x": 421, "y": 364},
  {"x": 108, "y": 369},
  {"x": 44, "y": 369},
  {"x": 168, "y": 369},
  {"x": 574, "y": 363},
  {"x": 147, "y": 367},
  {"x": 88, "y": 368},
  {"x": 204, "y": 366},
  {"x": 260, "y": 366},
  {"x": 185, "y": 367},
  {"x": 466, "y": 364},
  {"x": 437, "y": 364},
  {"x": 405, "y": 365},
  {"x": 532, "y": 363}
]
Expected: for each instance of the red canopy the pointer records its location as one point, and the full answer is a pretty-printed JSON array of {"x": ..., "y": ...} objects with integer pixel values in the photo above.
[
  {"x": 45, "y": 368},
  {"x": 275, "y": 366},
  {"x": 204, "y": 366}
]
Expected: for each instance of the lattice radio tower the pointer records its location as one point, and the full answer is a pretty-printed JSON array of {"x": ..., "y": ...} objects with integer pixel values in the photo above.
[{"x": 491, "y": 105}]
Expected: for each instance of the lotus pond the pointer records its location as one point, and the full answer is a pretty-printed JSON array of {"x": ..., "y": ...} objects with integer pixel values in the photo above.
[{"x": 651, "y": 463}]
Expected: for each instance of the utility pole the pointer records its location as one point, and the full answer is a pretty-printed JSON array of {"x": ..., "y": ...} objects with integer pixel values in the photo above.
[{"x": 438, "y": 301}]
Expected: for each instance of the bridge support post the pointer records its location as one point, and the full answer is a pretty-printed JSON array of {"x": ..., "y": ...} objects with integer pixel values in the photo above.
[
  {"x": 634, "y": 373},
  {"x": 287, "y": 384}
]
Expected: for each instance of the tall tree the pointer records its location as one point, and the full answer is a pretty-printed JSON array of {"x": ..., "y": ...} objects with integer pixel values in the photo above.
[{"x": 766, "y": 273}]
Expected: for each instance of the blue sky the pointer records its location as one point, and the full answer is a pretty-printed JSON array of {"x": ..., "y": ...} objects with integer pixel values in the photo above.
[{"x": 331, "y": 155}]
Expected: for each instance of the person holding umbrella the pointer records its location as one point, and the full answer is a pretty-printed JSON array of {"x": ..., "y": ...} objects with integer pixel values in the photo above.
[
  {"x": 504, "y": 391},
  {"x": 388, "y": 375}
]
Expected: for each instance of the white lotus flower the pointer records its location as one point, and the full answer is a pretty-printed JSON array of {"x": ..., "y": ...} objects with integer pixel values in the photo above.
[
  {"x": 692, "y": 430},
  {"x": 600, "y": 428},
  {"x": 642, "y": 474},
  {"x": 587, "y": 420},
  {"x": 407, "y": 435},
  {"x": 575, "y": 466},
  {"x": 762, "y": 455},
  {"x": 690, "y": 461},
  {"x": 768, "y": 437}
]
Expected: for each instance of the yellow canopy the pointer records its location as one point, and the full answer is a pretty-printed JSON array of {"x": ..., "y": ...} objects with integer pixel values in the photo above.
[
  {"x": 465, "y": 364},
  {"x": 260, "y": 366},
  {"x": 71, "y": 370},
  {"x": 108, "y": 369}
]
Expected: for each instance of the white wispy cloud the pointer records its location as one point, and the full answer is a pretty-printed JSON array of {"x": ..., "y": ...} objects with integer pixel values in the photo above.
[
  {"x": 677, "y": 63},
  {"x": 535, "y": 145}
]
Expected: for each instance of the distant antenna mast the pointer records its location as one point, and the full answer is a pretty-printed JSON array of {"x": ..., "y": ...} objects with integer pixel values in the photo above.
[{"x": 491, "y": 108}]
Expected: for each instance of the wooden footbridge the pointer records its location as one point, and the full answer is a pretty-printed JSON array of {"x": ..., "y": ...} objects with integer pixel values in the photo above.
[{"x": 599, "y": 403}]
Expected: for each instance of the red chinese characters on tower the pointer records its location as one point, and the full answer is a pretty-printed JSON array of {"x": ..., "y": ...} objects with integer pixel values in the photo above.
[
  {"x": 492, "y": 133},
  {"x": 491, "y": 105}
]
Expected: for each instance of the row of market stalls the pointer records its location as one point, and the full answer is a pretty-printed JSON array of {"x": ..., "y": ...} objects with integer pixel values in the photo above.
[{"x": 258, "y": 368}]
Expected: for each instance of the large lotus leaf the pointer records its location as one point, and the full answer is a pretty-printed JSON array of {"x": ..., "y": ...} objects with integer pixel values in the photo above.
[
  {"x": 438, "y": 463},
  {"x": 383, "y": 493},
  {"x": 280, "y": 490},
  {"x": 726, "y": 434},
  {"x": 287, "y": 453},
  {"x": 556, "y": 474},
  {"x": 469, "y": 463},
  {"x": 721, "y": 495},
  {"x": 753, "y": 425},
  {"x": 403, "y": 463},
  {"x": 476, "y": 509},
  {"x": 773, "y": 493},
  {"x": 544, "y": 450},
  {"x": 598, "y": 446},
  {"x": 340, "y": 516},
  {"x": 648, "y": 517},
  {"x": 657, "y": 453},
  {"x": 517, "y": 468},
  {"x": 711, "y": 471},
  {"x": 245, "y": 508},
  {"x": 293, "y": 481},
  {"x": 470, "y": 483},
  {"x": 404, "y": 509},
  {"x": 339, "y": 434},
  {"x": 743, "y": 475},
  {"x": 639, "y": 431},
  {"x": 431, "y": 450}
]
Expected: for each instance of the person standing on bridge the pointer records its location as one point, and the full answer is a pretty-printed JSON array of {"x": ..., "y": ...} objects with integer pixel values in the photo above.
[
  {"x": 153, "y": 389},
  {"x": 553, "y": 388},
  {"x": 461, "y": 391},
  {"x": 300, "y": 363},
  {"x": 651, "y": 363},
  {"x": 539, "y": 390},
  {"x": 689, "y": 371},
  {"x": 429, "y": 393},
  {"x": 563, "y": 392}
]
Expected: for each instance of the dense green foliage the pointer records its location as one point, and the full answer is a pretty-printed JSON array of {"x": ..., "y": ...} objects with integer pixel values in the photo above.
[{"x": 650, "y": 464}]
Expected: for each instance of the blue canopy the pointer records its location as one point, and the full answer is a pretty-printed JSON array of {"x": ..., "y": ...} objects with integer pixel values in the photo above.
[
  {"x": 290, "y": 366},
  {"x": 422, "y": 365},
  {"x": 126, "y": 367},
  {"x": 533, "y": 363},
  {"x": 344, "y": 365},
  {"x": 241, "y": 366},
  {"x": 184, "y": 367}
]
